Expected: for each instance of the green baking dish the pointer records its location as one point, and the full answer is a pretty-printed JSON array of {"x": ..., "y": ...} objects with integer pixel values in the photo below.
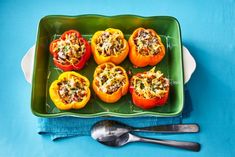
[{"x": 44, "y": 73}]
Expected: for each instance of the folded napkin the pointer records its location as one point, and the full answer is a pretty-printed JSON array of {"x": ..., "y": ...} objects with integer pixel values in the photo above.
[{"x": 63, "y": 127}]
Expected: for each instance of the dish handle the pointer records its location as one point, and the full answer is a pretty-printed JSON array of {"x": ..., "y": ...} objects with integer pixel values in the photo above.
[{"x": 28, "y": 59}]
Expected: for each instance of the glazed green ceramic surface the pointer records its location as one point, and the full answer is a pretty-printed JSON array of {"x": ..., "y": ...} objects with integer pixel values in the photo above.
[{"x": 51, "y": 27}]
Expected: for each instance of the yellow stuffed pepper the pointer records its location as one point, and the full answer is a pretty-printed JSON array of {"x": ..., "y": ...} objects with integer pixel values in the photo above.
[
  {"x": 70, "y": 91},
  {"x": 110, "y": 82},
  {"x": 146, "y": 47},
  {"x": 109, "y": 46}
]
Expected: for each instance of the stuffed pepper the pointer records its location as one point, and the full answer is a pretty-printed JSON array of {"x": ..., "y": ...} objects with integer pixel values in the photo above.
[
  {"x": 109, "y": 46},
  {"x": 110, "y": 82},
  {"x": 70, "y": 51},
  {"x": 146, "y": 47},
  {"x": 70, "y": 91},
  {"x": 149, "y": 89}
]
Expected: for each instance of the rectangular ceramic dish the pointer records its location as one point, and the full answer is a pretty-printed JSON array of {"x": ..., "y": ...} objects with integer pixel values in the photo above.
[{"x": 51, "y": 27}]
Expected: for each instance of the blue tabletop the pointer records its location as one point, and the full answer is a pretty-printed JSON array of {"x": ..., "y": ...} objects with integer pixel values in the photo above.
[{"x": 208, "y": 32}]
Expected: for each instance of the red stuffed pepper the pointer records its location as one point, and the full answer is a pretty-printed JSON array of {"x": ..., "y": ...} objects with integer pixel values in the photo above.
[
  {"x": 70, "y": 51},
  {"x": 149, "y": 89}
]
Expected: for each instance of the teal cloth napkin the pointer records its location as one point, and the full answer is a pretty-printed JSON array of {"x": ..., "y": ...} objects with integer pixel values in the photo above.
[{"x": 63, "y": 127}]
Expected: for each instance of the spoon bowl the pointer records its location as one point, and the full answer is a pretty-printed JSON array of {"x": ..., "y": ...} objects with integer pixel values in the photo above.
[
  {"x": 118, "y": 141},
  {"x": 108, "y": 130}
]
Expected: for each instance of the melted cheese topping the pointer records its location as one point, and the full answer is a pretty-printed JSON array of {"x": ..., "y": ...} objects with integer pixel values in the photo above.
[
  {"x": 70, "y": 50},
  {"x": 72, "y": 89},
  {"x": 109, "y": 79},
  {"x": 147, "y": 43},
  {"x": 108, "y": 44},
  {"x": 150, "y": 84}
]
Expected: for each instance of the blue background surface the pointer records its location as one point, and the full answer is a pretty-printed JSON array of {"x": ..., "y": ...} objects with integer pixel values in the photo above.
[{"x": 208, "y": 30}]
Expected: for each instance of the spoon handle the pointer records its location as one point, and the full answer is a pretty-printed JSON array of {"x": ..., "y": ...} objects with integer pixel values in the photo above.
[
  {"x": 175, "y": 128},
  {"x": 193, "y": 146}
]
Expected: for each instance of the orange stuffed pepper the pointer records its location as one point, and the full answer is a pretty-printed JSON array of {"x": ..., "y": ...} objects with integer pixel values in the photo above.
[
  {"x": 70, "y": 91},
  {"x": 110, "y": 82},
  {"x": 146, "y": 47},
  {"x": 109, "y": 46},
  {"x": 149, "y": 89}
]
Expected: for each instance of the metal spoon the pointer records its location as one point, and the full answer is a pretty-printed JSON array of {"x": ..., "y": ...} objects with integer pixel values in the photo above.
[
  {"x": 107, "y": 130},
  {"x": 128, "y": 137}
]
